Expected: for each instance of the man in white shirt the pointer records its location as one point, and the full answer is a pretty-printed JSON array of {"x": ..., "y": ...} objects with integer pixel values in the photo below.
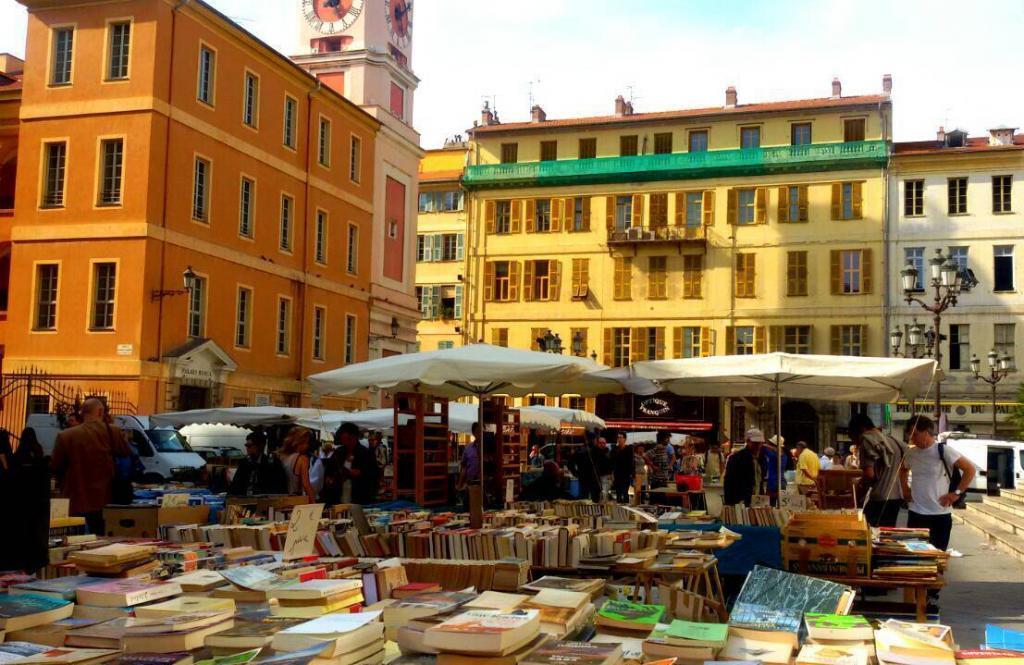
[
  {"x": 929, "y": 493},
  {"x": 826, "y": 459}
]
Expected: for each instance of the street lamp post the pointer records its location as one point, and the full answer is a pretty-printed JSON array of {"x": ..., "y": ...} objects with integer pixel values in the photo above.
[
  {"x": 945, "y": 279},
  {"x": 998, "y": 369},
  {"x": 550, "y": 343}
]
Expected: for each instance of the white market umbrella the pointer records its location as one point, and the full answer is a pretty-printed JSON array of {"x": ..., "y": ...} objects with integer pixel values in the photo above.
[
  {"x": 833, "y": 378},
  {"x": 552, "y": 417},
  {"x": 241, "y": 416}
]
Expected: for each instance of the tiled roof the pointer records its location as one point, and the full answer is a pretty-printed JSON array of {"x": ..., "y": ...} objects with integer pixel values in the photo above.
[
  {"x": 440, "y": 176},
  {"x": 10, "y": 82},
  {"x": 739, "y": 109},
  {"x": 972, "y": 144}
]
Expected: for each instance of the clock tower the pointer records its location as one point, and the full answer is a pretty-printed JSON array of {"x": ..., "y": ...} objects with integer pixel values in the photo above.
[{"x": 362, "y": 49}]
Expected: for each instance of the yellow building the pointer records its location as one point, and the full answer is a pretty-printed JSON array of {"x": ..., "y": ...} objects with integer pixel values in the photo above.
[
  {"x": 734, "y": 229},
  {"x": 440, "y": 247}
]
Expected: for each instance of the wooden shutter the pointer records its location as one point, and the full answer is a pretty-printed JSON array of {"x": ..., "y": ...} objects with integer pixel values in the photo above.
[
  {"x": 730, "y": 341},
  {"x": 866, "y": 271},
  {"x": 554, "y": 279},
  {"x": 761, "y": 205},
  {"x": 705, "y": 342},
  {"x": 606, "y": 354},
  {"x": 837, "y": 200},
  {"x": 517, "y": 214},
  {"x": 784, "y": 205},
  {"x": 513, "y": 280},
  {"x": 709, "y": 207},
  {"x": 638, "y": 211},
  {"x": 528, "y": 272},
  {"x": 659, "y": 343},
  {"x": 864, "y": 340},
  {"x": 836, "y": 272},
  {"x": 680, "y": 213},
  {"x": 760, "y": 340},
  {"x": 857, "y": 190},
  {"x": 637, "y": 344},
  {"x": 556, "y": 215},
  {"x": 531, "y": 216},
  {"x": 488, "y": 281},
  {"x": 802, "y": 190},
  {"x": 734, "y": 205},
  {"x": 489, "y": 212},
  {"x": 677, "y": 342},
  {"x": 775, "y": 337},
  {"x": 569, "y": 205},
  {"x": 586, "y": 213},
  {"x": 609, "y": 212},
  {"x": 836, "y": 342}
]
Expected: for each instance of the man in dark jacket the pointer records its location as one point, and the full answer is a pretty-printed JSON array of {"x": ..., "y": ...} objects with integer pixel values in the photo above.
[
  {"x": 745, "y": 471},
  {"x": 623, "y": 468},
  {"x": 358, "y": 465},
  {"x": 588, "y": 465},
  {"x": 258, "y": 473}
]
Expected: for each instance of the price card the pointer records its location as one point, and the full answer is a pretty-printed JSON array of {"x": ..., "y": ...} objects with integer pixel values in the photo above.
[
  {"x": 300, "y": 541},
  {"x": 760, "y": 501},
  {"x": 59, "y": 508},
  {"x": 176, "y": 500},
  {"x": 510, "y": 490}
]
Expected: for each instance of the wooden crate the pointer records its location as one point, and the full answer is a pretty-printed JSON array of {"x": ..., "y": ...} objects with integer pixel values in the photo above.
[{"x": 827, "y": 544}]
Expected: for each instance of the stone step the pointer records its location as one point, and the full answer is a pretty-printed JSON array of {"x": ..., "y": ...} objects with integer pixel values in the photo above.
[
  {"x": 994, "y": 529},
  {"x": 1009, "y": 521},
  {"x": 1017, "y": 496},
  {"x": 1005, "y": 504}
]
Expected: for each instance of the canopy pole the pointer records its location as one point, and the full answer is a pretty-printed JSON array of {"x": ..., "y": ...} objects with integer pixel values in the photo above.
[
  {"x": 476, "y": 492},
  {"x": 779, "y": 444}
]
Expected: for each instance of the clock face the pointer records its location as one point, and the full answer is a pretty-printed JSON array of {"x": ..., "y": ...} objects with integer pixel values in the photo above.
[
  {"x": 330, "y": 17},
  {"x": 399, "y": 16}
]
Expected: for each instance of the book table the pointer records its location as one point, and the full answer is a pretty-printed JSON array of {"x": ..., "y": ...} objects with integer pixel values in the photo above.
[{"x": 915, "y": 592}]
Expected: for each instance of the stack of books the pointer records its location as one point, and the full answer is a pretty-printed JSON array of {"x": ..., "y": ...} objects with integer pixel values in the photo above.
[
  {"x": 687, "y": 641},
  {"x": 761, "y": 516},
  {"x": 116, "y": 560},
  {"x": 633, "y": 619},
  {"x": 179, "y": 632},
  {"x": 838, "y": 631},
  {"x": 308, "y": 600},
  {"x": 592, "y": 587},
  {"x": 485, "y": 637},
  {"x": 249, "y": 632},
  {"x": 401, "y": 612},
  {"x": 116, "y": 598},
  {"x": 342, "y": 639},
  {"x": 905, "y": 643},
  {"x": 562, "y": 613},
  {"x": 27, "y": 611},
  {"x": 574, "y": 653}
]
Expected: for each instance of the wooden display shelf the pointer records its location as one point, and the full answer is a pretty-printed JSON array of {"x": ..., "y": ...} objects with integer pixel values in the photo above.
[{"x": 421, "y": 448}]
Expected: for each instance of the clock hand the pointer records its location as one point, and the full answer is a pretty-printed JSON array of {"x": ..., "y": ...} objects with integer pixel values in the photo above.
[
  {"x": 332, "y": 3},
  {"x": 401, "y": 13}
]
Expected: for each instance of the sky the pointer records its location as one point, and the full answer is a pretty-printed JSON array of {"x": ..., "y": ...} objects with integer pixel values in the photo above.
[{"x": 955, "y": 64}]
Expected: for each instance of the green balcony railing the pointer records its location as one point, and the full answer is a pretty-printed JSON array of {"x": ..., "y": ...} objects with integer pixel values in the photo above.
[{"x": 682, "y": 166}]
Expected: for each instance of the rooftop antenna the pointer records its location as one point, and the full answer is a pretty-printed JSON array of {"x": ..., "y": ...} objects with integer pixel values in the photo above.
[
  {"x": 632, "y": 97},
  {"x": 530, "y": 84}
]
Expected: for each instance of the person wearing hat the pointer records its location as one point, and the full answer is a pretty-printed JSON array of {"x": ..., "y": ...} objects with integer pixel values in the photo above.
[
  {"x": 771, "y": 461},
  {"x": 825, "y": 461},
  {"x": 745, "y": 470}
]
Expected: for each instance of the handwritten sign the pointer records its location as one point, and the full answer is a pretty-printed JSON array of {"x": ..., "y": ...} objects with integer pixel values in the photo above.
[
  {"x": 793, "y": 501},
  {"x": 59, "y": 508},
  {"x": 760, "y": 501},
  {"x": 302, "y": 531},
  {"x": 510, "y": 490},
  {"x": 176, "y": 500}
]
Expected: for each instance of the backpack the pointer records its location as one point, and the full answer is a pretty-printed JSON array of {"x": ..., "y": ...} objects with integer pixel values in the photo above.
[{"x": 955, "y": 476}]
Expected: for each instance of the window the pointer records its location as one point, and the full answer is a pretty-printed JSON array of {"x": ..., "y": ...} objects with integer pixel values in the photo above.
[
  {"x": 623, "y": 213},
  {"x": 915, "y": 256},
  {"x": 542, "y": 216},
  {"x": 628, "y": 145},
  {"x": 355, "y": 159},
  {"x": 659, "y": 210},
  {"x": 694, "y": 209},
  {"x": 846, "y": 200},
  {"x": 350, "y": 339},
  {"x": 959, "y": 347},
  {"x": 397, "y": 101},
  {"x": 698, "y": 140},
  {"x": 745, "y": 343},
  {"x": 541, "y": 280},
  {"x": 848, "y": 340},
  {"x": 657, "y": 277},
  {"x": 580, "y": 278},
  {"x": 201, "y": 191},
  {"x": 1004, "y": 336},
  {"x": 959, "y": 257},
  {"x": 502, "y": 216},
  {"x": 800, "y": 133},
  {"x": 429, "y": 298},
  {"x": 285, "y": 231},
  {"x": 56, "y": 164},
  {"x": 548, "y": 151},
  {"x": 243, "y": 317},
  {"x": 245, "y": 208},
  {"x": 578, "y": 336},
  {"x": 1002, "y": 260},
  {"x": 284, "y": 326},
  {"x": 913, "y": 198},
  {"x": 1002, "y": 187},
  {"x": 197, "y": 308},
  {"x": 648, "y": 344},
  {"x": 251, "y": 103},
  {"x": 499, "y": 337},
  {"x": 796, "y": 339},
  {"x": 621, "y": 347},
  {"x": 324, "y": 143},
  {"x": 693, "y": 276},
  {"x": 580, "y": 214},
  {"x": 623, "y": 279},
  {"x": 319, "y": 324},
  {"x": 46, "y": 297},
  {"x": 120, "y": 42},
  {"x": 501, "y": 281},
  {"x": 63, "y": 50},
  {"x": 750, "y": 137},
  {"x": 956, "y": 190},
  {"x": 588, "y": 148},
  {"x": 104, "y": 278},
  {"x": 207, "y": 74},
  {"x": 793, "y": 204},
  {"x": 352, "y": 255},
  {"x": 112, "y": 154},
  {"x": 851, "y": 271},
  {"x": 291, "y": 120},
  {"x": 320, "y": 238},
  {"x": 796, "y": 273},
  {"x": 745, "y": 272},
  {"x": 509, "y": 153},
  {"x": 746, "y": 211},
  {"x": 691, "y": 342},
  {"x": 663, "y": 143},
  {"x": 853, "y": 129},
  {"x": 441, "y": 201}
]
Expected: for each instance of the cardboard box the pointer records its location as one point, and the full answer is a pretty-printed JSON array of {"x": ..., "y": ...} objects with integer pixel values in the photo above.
[
  {"x": 832, "y": 544},
  {"x": 145, "y": 521}
]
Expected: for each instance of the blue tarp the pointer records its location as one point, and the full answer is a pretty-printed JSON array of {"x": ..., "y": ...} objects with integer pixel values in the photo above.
[{"x": 759, "y": 545}]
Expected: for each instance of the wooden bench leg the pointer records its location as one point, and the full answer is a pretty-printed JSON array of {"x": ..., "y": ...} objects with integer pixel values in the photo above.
[{"x": 921, "y": 596}]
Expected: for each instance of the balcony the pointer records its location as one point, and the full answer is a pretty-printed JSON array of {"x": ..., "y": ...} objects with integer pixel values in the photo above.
[
  {"x": 649, "y": 235},
  {"x": 681, "y": 166}
]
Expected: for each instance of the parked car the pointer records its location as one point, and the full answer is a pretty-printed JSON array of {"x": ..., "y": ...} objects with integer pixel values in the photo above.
[{"x": 997, "y": 460}]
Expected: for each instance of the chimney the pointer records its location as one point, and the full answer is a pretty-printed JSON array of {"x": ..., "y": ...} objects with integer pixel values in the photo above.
[
  {"x": 537, "y": 114},
  {"x": 730, "y": 97},
  {"x": 837, "y": 89},
  {"x": 486, "y": 117},
  {"x": 11, "y": 65},
  {"x": 629, "y": 108},
  {"x": 940, "y": 135},
  {"x": 887, "y": 84},
  {"x": 1001, "y": 135},
  {"x": 621, "y": 107}
]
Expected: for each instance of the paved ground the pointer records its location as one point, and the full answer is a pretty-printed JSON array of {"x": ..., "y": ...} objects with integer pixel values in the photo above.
[{"x": 985, "y": 586}]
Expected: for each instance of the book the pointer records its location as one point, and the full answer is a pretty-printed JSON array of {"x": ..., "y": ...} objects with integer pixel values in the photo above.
[
  {"x": 102, "y": 613},
  {"x": 11, "y": 651},
  {"x": 423, "y": 605},
  {"x": 414, "y": 588},
  {"x": 200, "y": 580},
  {"x": 624, "y": 615},
  {"x": 998, "y": 637},
  {"x": 26, "y": 611},
  {"x": 234, "y": 659},
  {"x": 250, "y": 634},
  {"x": 657, "y": 645},
  {"x": 176, "y": 623},
  {"x": 989, "y": 657},
  {"x": 315, "y": 589},
  {"x": 61, "y": 588},
  {"x": 304, "y": 657},
  {"x": 838, "y": 627},
  {"x": 496, "y": 600},
  {"x": 172, "y": 641},
  {"x": 694, "y": 634},
  {"x": 51, "y": 634},
  {"x": 184, "y": 605},
  {"x": 776, "y": 600},
  {"x": 565, "y": 584},
  {"x": 253, "y": 578},
  {"x": 112, "y": 554},
  {"x": 334, "y": 633},
  {"x": 125, "y": 593},
  {"x": 575, "y": 653},
  {"x": 103, "y": 635},
  {"x": 817, "y": 654},
  {"x": 516, "y": 657},
  {"x": 770, "y": 648},
  {"x": 905, "y": 643},
  {"x": 179, "y": 658},
  {"x": 484, "y": 632},
  {"x": 67, "y": 656}
]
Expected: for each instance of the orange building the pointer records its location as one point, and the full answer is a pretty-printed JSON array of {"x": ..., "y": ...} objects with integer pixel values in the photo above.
[{"x": 163, "y": 146}]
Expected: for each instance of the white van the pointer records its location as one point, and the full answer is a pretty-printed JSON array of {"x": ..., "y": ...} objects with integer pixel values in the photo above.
[
  {"x": 163, "y": 452},
  {"x": 998, "y": 460}
]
